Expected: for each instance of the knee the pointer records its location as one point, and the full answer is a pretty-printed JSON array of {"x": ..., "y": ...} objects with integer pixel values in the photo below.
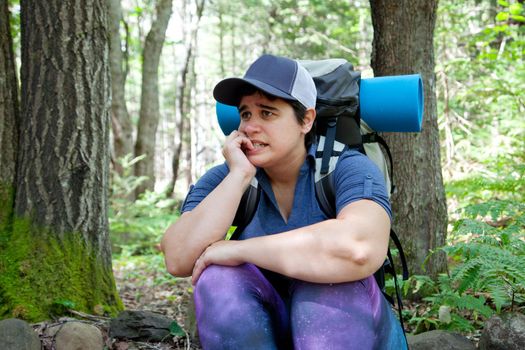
[{"x": 218, "y": 280}]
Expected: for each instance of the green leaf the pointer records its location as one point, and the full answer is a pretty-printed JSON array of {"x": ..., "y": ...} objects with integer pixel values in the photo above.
[
  {"x": 503, "y": 3},
  {"x": 176, "y": 330},
  {"x": 66, "y": 303},
  {"x": 502, "y": 16},
  {"x": 515, "y": 9},
  {"x": 61, "y": 307}
]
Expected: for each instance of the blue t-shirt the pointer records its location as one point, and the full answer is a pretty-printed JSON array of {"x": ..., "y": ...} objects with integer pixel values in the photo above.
[{"x": 355, "y": 177}]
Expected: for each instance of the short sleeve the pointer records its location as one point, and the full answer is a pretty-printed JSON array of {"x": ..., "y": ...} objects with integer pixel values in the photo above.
[
  {"x": 357, "y": 177},
  {"x": 206, "y": 184}
]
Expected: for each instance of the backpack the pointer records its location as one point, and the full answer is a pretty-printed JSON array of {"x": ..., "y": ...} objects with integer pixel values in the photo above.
[{"x": 338, "y": 127}]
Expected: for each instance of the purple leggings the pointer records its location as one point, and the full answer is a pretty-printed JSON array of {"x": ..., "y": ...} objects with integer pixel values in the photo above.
[{"x": 238, "y": 308}]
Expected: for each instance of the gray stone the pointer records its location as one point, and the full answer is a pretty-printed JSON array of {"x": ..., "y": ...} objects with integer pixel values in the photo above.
[
  {"x": 439, "y": 340},
  {"x": 140, "y": 325},
  {"x": 78, "y": 336},
  {"x": 505, "y": 332},
  {"x": 16, "y": 334}
]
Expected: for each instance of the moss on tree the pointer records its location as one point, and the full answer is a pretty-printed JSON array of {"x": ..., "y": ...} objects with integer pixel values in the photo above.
[{"x": 43, "y": 274}]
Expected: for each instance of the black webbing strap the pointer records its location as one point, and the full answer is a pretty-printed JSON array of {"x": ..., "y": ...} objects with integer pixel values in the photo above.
[
  {"x": 328, "y": 145},
  {"x": 398, "y": 296},
  {"x": 246, "y": 210},
  {"x": 397, "y": 243}
]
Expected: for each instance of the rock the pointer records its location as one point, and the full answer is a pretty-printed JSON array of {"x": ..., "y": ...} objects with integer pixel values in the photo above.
[
  {"x": 140, "y": 325},
  {"x": 439, "y": 340},
  {"x": 505, "y": 332},
  {"x": 16, "y": 334},
  {"x": 77, "y": 336}
]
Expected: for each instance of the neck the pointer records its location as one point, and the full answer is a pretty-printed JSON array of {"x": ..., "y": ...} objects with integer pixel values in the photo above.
[{"x": 287, "y": 172}]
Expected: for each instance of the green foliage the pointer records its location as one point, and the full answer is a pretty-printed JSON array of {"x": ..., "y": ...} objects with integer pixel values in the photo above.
[
  {"x": 502, "y": 177},
  {"x": 14, "y": 19},
  {"x": 137, "y": 226},
  {"x": 481, "y": 71},
  {"x": 493, "y": 258},
  {"x": 486, "y": 250},
  {"x": 302, "y": 29},
  {"x": 487, "y": 274},
  {"x": 61, "y": 307},
  {"x": 146, "y": 269},
  {"x": 176, "y": 330}
]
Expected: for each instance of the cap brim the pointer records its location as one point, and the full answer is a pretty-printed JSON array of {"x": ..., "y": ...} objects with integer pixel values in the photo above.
[{"x": 228, "y": 90}]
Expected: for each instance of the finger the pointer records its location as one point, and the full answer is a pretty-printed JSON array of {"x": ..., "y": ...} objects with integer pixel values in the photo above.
[
  {"x": 195, "y": 274},
  {"x": 246, "y": 143},
  {"x": 200, "y": 265}
]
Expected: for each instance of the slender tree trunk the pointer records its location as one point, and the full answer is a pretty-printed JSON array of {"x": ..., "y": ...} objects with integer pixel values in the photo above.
[
  {"x": 222, "y": 30},
  {"x": 120, "y": 120},
  {"x": 185, "y": 94},
  {"x": 190, "y": 151},
  {"x": 58, "y": 252},
  {"x": 403, "y": 44},
  {"x": 9, "y": 118},
  {"x": 149, "y": 101}
]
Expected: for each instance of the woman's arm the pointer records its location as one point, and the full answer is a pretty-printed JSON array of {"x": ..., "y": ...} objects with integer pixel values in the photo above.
[
  {"x": 349, "y": 248},
  {"x": 195, "y": 230},
  {"x": 186, "y": 239}
]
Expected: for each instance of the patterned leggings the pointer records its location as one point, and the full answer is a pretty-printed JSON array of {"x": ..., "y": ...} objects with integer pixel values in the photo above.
[{"x": 238, "y": 308}]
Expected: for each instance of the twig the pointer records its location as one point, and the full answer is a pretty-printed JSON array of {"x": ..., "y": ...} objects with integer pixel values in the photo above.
[{"x": 89, "y": 317}]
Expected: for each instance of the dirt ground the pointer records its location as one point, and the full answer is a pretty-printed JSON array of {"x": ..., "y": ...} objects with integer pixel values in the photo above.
[{"x": 143, "y": 287}]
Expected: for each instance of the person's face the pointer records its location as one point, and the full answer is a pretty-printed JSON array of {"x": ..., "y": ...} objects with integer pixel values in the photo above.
[{"x": 273, "y": 129}]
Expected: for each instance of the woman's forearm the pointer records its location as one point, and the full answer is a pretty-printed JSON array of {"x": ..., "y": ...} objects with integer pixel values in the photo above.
[
  {"x": 185, "y": 240},
  {"x": 348, "y": 248}
]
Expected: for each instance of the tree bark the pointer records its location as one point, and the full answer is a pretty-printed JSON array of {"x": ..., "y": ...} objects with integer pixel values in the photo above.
[
  {"x": 120, "y": 120},
  {"x": 9, "y": 118},
  {"x": 403, "y": 44},
  {"x": 149, "y": 101},
  {"x": 58, "y": 254}
]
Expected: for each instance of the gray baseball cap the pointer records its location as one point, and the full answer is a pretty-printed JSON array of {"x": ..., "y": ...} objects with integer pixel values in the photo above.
[{"x": 278, "y": 76}]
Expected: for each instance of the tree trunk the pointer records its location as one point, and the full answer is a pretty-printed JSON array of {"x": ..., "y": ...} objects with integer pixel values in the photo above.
[
  {"x": 403, "y": 44},
  {"x": 9, "y": 118},
  {"x": 185, "y": 95},
  {"x": 57, "y": 254},
  {"x": 120, "y": 120},
  {"x": 149, "y": 101}
]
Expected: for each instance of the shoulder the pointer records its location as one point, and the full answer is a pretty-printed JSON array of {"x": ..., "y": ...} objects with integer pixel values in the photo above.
[
  {"x": 206, "y": 183},
  {"x": 213, "y": 176},
  {"x": 355, "y": 162},
  {"x": 357, "y": 177}
]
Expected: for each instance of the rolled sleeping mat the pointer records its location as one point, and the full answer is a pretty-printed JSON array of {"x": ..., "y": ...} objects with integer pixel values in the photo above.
[
  {"x": 228, "y": 117},
  {"x": 387, "y": 104},
  {"x": 392, "y": 103}
]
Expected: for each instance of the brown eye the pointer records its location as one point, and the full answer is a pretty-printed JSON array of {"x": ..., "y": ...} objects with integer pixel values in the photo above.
[{"x": 266, "y": 113}]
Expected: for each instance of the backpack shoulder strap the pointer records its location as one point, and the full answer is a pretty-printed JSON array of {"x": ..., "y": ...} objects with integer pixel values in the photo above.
[
  {"x": 326, "y": 159},
  {"x": 247, "y": 208}
]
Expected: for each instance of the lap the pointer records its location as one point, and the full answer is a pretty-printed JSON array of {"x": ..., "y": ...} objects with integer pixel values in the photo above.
[{"x": 335, "y": 316}]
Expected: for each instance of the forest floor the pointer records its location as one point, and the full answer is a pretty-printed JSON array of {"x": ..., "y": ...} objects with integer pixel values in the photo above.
[{"x": 144, "y": 285}]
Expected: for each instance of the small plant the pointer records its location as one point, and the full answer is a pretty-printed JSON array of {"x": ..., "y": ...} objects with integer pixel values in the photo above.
[
  {"x": 493, "y": 257},
  {"x": 487, "y": 270},
  {"x": 136, "y": 226}
]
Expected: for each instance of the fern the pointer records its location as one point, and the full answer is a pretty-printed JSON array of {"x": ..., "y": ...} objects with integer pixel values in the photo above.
[{"x": 488, "y": 273}]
